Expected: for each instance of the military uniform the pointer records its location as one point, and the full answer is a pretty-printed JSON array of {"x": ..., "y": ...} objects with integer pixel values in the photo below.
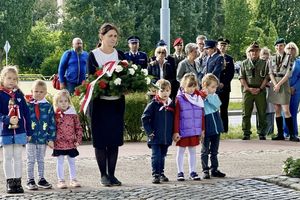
[{"x": 254, "y": 73}]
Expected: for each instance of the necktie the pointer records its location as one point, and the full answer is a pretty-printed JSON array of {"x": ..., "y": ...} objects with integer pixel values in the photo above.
[{"x": 37, "y": 111}]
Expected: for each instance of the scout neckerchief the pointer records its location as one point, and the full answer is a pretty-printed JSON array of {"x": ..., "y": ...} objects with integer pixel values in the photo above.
[
  {"x": 166, "y": 105},
  {"x": 194, "y": 99},
  {"x": 37, "y": 106}
]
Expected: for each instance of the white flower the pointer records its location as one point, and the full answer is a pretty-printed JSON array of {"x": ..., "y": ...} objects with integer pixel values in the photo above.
[
  {"x": 119, "y": 68},
  {"x": 148, "y": 80},
  {"x": 131, "y": 71},
  {"x": 134, "y": 66},
  {"x": 117, "y": 81},
  {"x": 145, "y": 72}
]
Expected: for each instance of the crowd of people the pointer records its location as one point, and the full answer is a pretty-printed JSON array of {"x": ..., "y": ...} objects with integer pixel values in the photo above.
[{"x": 189, "y": 107}]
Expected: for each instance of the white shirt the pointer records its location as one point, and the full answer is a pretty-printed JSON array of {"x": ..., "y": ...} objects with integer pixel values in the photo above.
[{"x": 102, "y": 58}]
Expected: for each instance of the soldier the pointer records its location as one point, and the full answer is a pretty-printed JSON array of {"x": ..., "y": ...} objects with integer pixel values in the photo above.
[
  {"x": 134, "y": 55},
  {"x": 226, "y": 76},
  {"x": 280, "y": 95},
  {"x": 253, "y": 78},
  {"x": 179, "y": 53},
  {"x": 202, "y": 59}
]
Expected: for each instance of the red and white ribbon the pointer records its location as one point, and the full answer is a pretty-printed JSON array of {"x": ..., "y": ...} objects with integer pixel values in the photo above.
[{"x": 108, "y": 68}]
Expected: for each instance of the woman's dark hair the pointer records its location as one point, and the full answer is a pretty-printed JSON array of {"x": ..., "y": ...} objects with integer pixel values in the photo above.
[{"x": 105, "y": 28}]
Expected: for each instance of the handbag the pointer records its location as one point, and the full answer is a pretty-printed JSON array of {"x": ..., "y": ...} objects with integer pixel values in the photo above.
[{"x": 55, "y": 80}]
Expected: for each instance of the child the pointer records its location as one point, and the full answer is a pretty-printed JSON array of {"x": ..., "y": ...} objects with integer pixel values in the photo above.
[
  {"x": 157, "y": 121},
  {"x": 16, "y": 130},
  {"x": 43, "y": 126},
  {"x": 213, "y": 127},
  {"x": 188, "y": 125},
  {"x": 68, "y": 137}
]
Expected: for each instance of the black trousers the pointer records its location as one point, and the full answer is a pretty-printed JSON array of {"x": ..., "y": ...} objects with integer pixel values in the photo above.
[{"x": 224, "y": 97}]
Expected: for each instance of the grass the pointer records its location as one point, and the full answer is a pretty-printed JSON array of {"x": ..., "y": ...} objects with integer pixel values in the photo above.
[{"x": 235, "y": 105}]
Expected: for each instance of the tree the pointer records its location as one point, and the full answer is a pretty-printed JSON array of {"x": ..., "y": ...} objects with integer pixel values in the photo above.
[
  {"x": 237, "y": 20},
  {"x": 46, "y": 11},
  {"x": 15, "y": 24}
]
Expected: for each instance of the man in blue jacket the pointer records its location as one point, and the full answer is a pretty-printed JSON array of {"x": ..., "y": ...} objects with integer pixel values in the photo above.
[{"x": 72, "y": 66}]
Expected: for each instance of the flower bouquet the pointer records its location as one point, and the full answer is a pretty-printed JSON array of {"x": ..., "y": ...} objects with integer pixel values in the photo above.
[{"x": 114, "y": 79}]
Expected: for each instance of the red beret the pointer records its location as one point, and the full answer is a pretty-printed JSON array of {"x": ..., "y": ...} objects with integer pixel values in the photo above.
[{"x": 177, "y": 41}]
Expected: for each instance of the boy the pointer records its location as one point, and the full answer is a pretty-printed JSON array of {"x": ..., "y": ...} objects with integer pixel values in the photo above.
[
  {"x": 157, "y": 121},
  {"x": 44, "y": 133}
]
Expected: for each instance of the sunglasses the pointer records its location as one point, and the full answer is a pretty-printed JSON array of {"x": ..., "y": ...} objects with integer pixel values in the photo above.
[{"x": 161, "y": 52}]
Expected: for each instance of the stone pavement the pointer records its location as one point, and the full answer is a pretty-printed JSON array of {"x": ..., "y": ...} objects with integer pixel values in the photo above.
[{"x": 250, "y": 167}]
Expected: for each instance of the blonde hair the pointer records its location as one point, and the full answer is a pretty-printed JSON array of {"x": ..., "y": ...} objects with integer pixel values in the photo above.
[
  {"x": 39, "y": 83},
  {"x": 7, "y": 69},
  {"x": 189, "y": 80},
  {"x": 58, "y": 95},
  {"x": 209, "y": 79},
  {"x": 160, "y": 48},
  {"x": 162, "y": 84},
  {"x": 264, "y": 50},
  {"x": 292, "y": 45}
]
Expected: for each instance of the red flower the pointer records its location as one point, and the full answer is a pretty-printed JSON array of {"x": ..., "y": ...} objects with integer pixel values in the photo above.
[
  {"x": 77, "y": 92},
  {"x": 99, "y": 72},
  {"x": 102, "y": 84},
  {"x": 87, "y": 85},
  {"x": 124, "y": 63}
]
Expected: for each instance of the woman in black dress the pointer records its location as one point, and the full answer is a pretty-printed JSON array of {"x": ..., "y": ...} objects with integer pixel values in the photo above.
[{"x": 107, "y": 112}]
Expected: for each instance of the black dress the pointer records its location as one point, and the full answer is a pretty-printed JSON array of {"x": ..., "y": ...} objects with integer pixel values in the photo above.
[{"x": 107, "y": 116}]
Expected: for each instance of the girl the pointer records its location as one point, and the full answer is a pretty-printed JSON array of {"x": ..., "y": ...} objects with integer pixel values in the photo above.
[
  {"x": 68, "y": 137},
  {"x": 16, "y": 130},
  {"x": 280, "y": 91},
  {"x": 213, "y": 127},
  {"x": 189, "y": 123}
]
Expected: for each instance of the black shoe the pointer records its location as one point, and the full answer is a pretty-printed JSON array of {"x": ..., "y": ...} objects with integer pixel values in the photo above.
[
  {"x": 163, "y": 178},
  {"x": 44, "y": 184},
  {"x": 246, "y": 137},
  {"x": 262, "y": 137},
  {"x": 194, "y": 176},
  {"x": 105, "y": 181},
  {"x": 278, "y": 137},
  {"x": 18, "y": 185},
  {"x": 206, "y": 175},
  {"x": 156, "y": 179},
  {"x": 294, "y": 139},
  {"x": 10, "y": 186},
  {"x": 114, "y": 181},
  {"x": 31, "y": 185},
  {"x": 180, "y": 176},
  {"x": 218, "y": 174}
]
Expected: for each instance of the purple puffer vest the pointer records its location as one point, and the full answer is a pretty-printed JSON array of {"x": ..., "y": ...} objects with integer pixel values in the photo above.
[{"x": 190, "y": 118}]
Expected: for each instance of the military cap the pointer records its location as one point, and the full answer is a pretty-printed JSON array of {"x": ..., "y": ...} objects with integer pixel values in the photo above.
[
  {"x": 161, "y": 43},
  {"x": 209, "y": 44},
  {"x": 279, "y": 41},
  {"x": 133, "y": 39},
  {"x": 223, "y": 41},
  {"x": 253, "y": 45},
  {"x": 177, "y": 42}
]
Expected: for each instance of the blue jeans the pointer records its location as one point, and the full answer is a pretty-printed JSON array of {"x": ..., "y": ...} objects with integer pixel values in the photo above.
[
  {"x": 210, "y": 146},
  {"x": 71, "y": 87},
  {"x": 159, "y": 153}
]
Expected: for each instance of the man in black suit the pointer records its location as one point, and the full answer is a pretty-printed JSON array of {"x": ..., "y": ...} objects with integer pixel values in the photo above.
[
  {"x": 226, "y": 77},
  {"x": 215, "y": 61}
]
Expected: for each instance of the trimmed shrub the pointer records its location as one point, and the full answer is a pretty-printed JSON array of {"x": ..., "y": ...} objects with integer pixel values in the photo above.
[
  {"x": 135, "y": 105},
  {"x": 291, "y": 167}
]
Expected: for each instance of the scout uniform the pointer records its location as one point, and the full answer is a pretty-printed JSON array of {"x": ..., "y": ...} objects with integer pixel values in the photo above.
[{"x": 254, "y": 73}]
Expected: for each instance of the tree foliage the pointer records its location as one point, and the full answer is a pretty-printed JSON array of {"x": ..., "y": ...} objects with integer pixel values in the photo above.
[{"x": 15, "y": 25}]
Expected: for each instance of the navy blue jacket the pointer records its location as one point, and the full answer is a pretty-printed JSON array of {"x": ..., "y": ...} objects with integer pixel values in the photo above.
[
  {"x": 139, "y": 59},
  {"x": 72, "y": 67},
  {"x": 227, "y": 74},
  {"x": 24, "y": 122},
  {"x": 215, "y": 65},
  {"x": 158, "y": 122}
]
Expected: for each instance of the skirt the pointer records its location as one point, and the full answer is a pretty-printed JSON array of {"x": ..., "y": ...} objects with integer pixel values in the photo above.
[
  {"x": 69, "y": 152},
  {"x": 188, "y": 141},
  {"x": 282, "y": 97}
]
